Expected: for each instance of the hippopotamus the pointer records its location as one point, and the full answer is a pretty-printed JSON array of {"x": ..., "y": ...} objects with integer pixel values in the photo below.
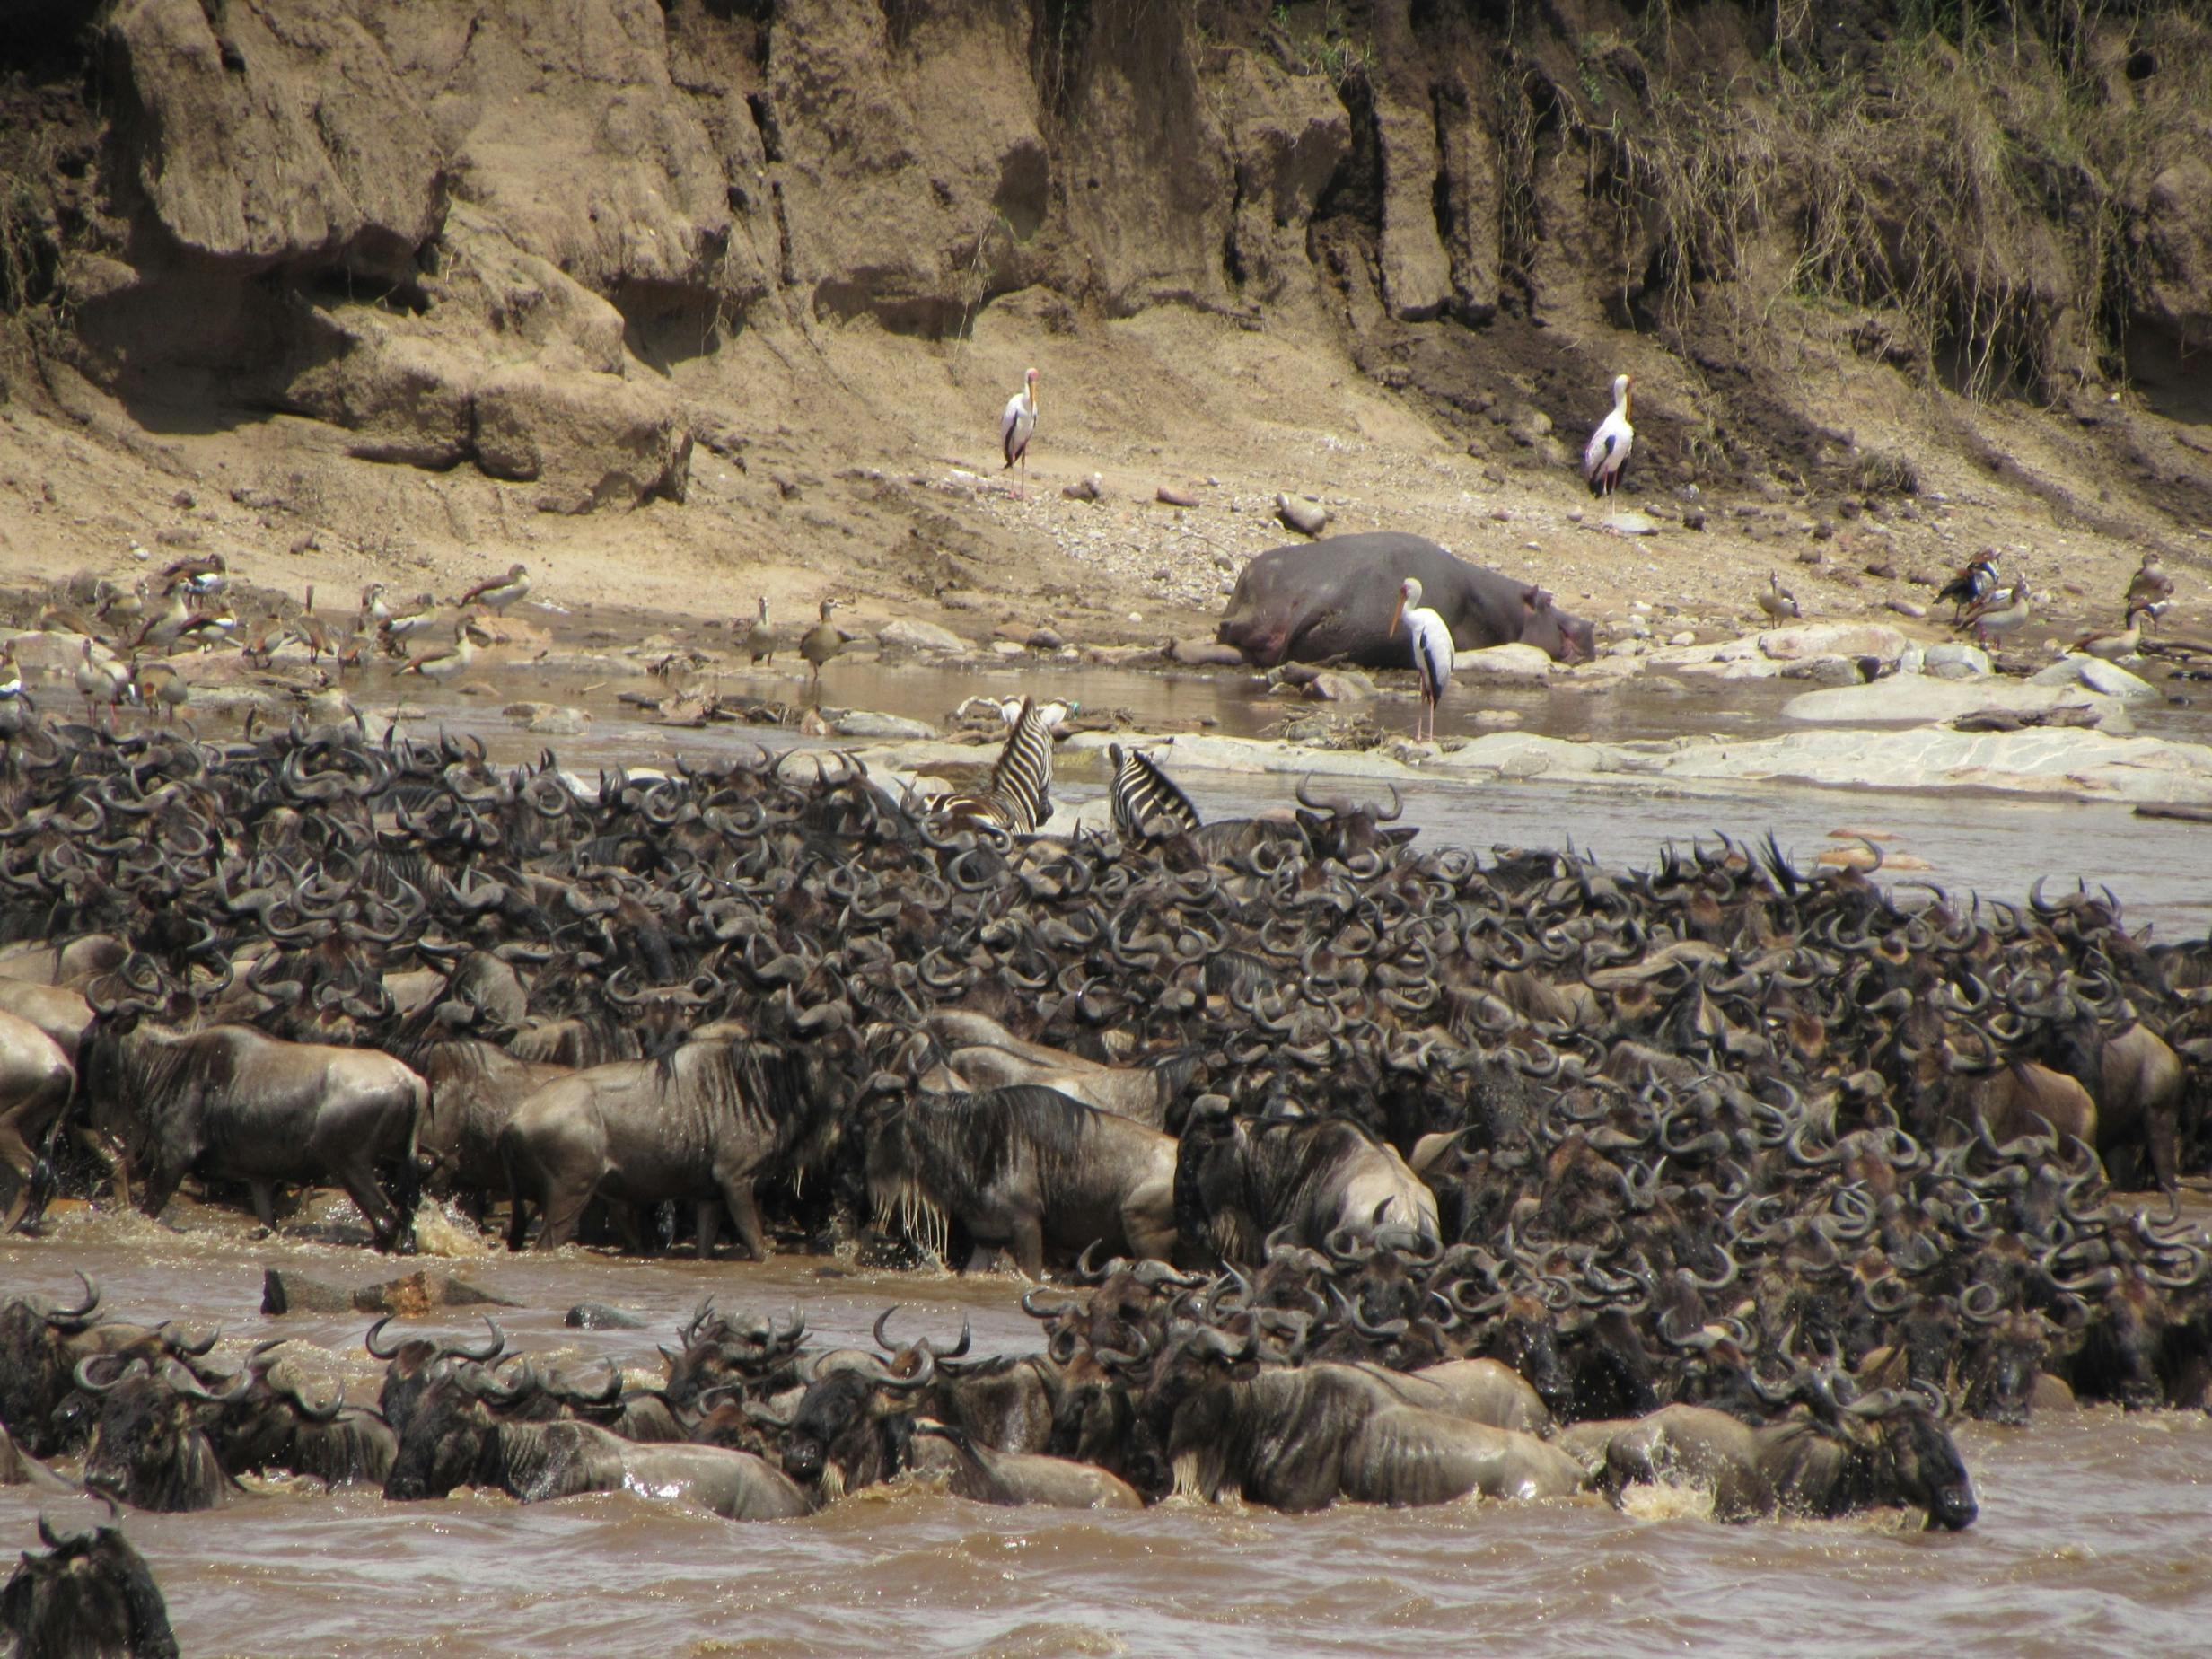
[{"x": 1312, "y": 601}]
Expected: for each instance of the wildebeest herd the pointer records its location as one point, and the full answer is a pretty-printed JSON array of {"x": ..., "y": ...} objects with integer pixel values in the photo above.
[{"x": 1372, "y": 1172}]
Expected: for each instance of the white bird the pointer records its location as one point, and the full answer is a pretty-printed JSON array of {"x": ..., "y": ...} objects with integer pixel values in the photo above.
[
  {"x": 1018, "y": 425},
  {"x": 1432, "y": 649},
  {"x": 1609, "y": 447}
]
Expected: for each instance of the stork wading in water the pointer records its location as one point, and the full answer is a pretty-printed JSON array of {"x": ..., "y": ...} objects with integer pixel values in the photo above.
[
  {"x": 1431, "y": 638},
  {"x": 1606, "y": 455},
  {"x": 1017, "y": 426}
]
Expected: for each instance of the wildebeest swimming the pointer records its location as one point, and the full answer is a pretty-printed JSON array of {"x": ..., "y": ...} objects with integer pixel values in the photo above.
[{"x": 1718, "y": 1134}]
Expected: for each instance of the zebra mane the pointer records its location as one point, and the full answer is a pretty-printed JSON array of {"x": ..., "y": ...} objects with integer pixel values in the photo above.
[{"x": 1146, "y": 800}]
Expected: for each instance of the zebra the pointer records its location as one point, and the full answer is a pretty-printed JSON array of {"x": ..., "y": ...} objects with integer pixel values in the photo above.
[
  {"x": 1147, "y": 805},
  {"x": 1019, "y": 797}
]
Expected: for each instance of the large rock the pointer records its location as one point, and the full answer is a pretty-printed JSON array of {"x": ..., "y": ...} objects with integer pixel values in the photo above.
[
  {"x": 1921, "y": 699},
  {"x": 587, "y": 439},
  {"x": 276, "y": 133},
  {"x": 905, "y": 634},
  {"x": 1845, "y": 639},
  {"x": 1515, "y": 661},
  {"x": 869, "y": 723},
  {"x": 406, "y": 398},
  {"x": 2109, "y": 679},
  {"x": 1416, "y": 274}
]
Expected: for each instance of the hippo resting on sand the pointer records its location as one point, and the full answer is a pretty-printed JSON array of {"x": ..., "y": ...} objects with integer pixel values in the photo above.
[{"x": 1312, "y": 601}]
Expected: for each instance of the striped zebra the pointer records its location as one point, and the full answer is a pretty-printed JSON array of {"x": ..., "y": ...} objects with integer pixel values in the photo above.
[
  {"x": 1019, "y": 797},
  {"x": 1147, "y": 805}
]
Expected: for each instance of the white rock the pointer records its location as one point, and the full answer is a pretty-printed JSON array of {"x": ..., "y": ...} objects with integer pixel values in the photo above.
[
  {"x": 2097, "y": 674},
  {"x": 1847, "y": 639},
  {"x": 1922, "y": 699},
  {"x": 868, "y": 723},
  {"x": 1956, "y": 652},
  {"x": 906, "y": 634},
  {"x": 1515, "y": 662}
]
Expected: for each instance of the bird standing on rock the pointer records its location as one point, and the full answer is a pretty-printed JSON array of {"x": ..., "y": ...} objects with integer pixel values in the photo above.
[
  {"x": 497, "y": 592},
  {"x": 1607, "y": 456},
  {"x": 1431, "y": 639},
  {"x": 396, "y": 631},
  {"x": 1018, "y": 425},
  {"x": 203, "y": 574},
  {"x": 823, "y": 641},
  {"x": 759, "y": 638},
  {"x": 100, "y": 683},
  {"x": 1777, "y": 601}
]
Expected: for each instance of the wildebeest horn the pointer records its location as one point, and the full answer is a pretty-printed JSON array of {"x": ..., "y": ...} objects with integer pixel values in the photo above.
[
  {"x": 1059, "y": 1310},
  {"x": 83, "y": 1373},
  {"x": 75, "y": 1319}
]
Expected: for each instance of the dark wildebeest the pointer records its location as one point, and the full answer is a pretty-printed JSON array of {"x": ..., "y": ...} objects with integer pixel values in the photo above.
[
  {"x": 273, "y": 1425},
  {"x": 147, "y": 1446},
  {"x": 1238, "y": 1180},
  {"x": 1021, "y": 1167},
  {"x": 91, "y": 1596},
  {"x": 232, "y": 1104},
  {"x": 704, "y": 1124},
  {"x": 456, "y": 1438},
  {"x": 39, "y": 1346},
  {"x": 1310, "y": 602},
  {"x": 35, "y": 1080},
  {"x": 1302, "y": 1439},
  {"x": 1885, "y": 1450},
  {"x": 856, "y": 1428},
  {"x": 413, "y": 1365},
  {"x": 474, "y": 1088}
]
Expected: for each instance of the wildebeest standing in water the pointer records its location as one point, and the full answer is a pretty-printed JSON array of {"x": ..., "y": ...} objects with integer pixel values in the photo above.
[
  {"x": 230, "y": 1103},
  {"x": 91, "y": 1596},
  {"x": 147, "y": 1446},
  {"x": 35, "y": 1081},
  {"x": 1239, "y": 1179},
  {"x": 1021, "y": 1167},
  {"x": 701, "y": 1125}
]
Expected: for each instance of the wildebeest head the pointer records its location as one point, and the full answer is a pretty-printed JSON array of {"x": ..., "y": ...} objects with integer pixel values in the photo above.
[
  {"x": 2001, "y": 1372},
  {"x": 147, "y": 1444},
  {"x": 1922, "y": 1461},
  {"x": 255, "y": 1429},
  {"x": 91, "y": 1594},
  {"x": 417, "y": 1361},
  {"x": 1523, "y": 1333},
  {"x": 752, "y": 1355},
  {"x": 449, "y": 1433},
  {"x": 36, "y": 1361},
  {"x": 1187, "y": 1405},
  {"x": 852, "y": 1427}
]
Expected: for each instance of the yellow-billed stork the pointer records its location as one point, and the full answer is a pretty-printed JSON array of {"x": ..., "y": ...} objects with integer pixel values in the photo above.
[
  {"x": 1608, "y": 450},
  {"x": 1430, "y": 640},
  {"x": 1018, "y": 425}
]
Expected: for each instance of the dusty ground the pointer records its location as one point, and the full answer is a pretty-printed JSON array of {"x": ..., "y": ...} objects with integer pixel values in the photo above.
[{"x": 863, "y": 465}]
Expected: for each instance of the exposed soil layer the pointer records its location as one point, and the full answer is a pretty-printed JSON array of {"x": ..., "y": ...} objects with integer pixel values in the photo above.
[{"x": 686, "y": 304}]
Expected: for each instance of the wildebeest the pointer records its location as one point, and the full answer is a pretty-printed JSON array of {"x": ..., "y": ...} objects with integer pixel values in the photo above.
[
  {"x": 1885, "y": 1451},
  {"x": 232, "y": 1104},
  {"x": 474, "y": 1088},
  {"x": 1238, "y": 1180},
  {"x": 39, "y": 1346},
  {"x": 271, "y": 1424},
  {"x": 413, "y": 1365},
  {"x": 857, "y": 1427},
  {"x": 456, "y": 1439},
  {"x": 1021, "y": 1167},
  {"x": 982, "y": 1054},
  {"x": 91, "y": 1596},
  {"x": 1300, "y": 1439},
  {"x": 35, "y": 1080},
  {"x": 702, "y": 1125},
  {"x": 147, "y": 1446}
]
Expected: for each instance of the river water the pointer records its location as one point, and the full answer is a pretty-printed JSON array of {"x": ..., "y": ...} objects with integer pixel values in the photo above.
[{"x": 2092, "y": 1535}]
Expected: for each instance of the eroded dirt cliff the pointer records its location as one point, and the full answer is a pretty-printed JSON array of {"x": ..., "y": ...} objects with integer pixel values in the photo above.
[{"x": 403, "y": 278}]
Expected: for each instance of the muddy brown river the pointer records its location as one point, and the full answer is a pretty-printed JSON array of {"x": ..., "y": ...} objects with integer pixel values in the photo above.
[
  {"x": 2092, "y": 1537},
  {"x": 2095, "y": 1532}
]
